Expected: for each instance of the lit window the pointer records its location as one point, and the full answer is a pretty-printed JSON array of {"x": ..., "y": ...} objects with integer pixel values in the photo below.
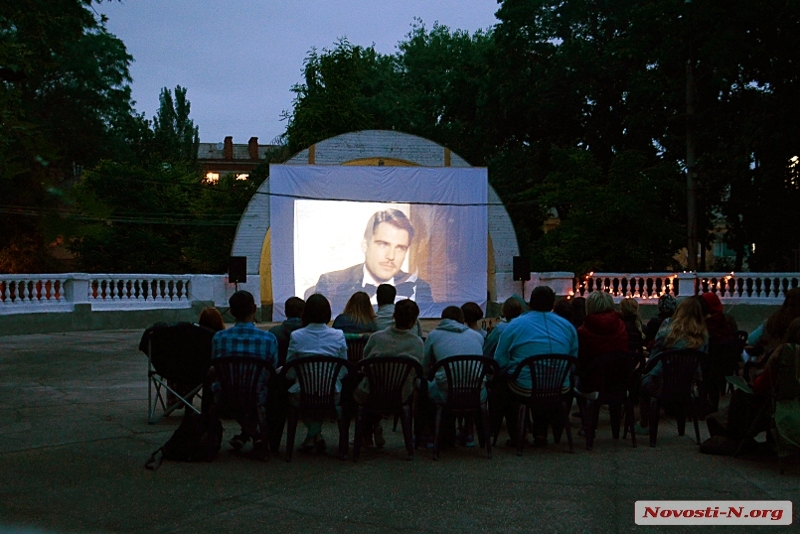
[
  {"x": 242, "y": 176},
  {"x": 793, "y": 178},
  {"x": 212, "y": 178}
]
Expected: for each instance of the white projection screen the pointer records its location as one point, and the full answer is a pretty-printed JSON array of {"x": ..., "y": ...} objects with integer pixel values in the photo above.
[{"x": 336, "y": 230}]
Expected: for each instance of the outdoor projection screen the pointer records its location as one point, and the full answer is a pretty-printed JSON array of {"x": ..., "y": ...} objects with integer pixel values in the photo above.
[{"x": 429, "y": 238}]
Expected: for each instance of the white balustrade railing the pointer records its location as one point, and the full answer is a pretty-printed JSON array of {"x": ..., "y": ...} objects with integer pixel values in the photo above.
[
  {"x": 37, "y": 293},
  {"x": 138, "y": 290},
  {"x": 23, "y": 292},
  {"x": 107, "y": 292},
  {"x": 732, "y": 288},
  {"x": 643, "y": 287},
  {"x": 756, "y": 288}
]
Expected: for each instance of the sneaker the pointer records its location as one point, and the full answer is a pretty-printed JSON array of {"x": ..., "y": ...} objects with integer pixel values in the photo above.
[
  {"x": 239, "y": 441},
  {"x": 377, "y": 432}
]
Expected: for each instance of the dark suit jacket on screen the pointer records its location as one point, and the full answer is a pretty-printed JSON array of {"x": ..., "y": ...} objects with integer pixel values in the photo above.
[{"x": 339, "y": 286}]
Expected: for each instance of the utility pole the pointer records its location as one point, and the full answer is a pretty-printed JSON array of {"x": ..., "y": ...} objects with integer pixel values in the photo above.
[{"x": 691, "y": 173}]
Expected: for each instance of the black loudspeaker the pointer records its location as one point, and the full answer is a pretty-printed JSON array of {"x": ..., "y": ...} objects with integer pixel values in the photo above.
[
  {"x": 522, "y": 269},
  {"x": 237, "y": 270}
]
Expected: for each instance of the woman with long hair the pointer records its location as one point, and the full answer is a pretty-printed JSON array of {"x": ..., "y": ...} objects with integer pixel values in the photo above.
[
  {"x": 358, "y": 316},
  {"x": 686, "y": 329}
]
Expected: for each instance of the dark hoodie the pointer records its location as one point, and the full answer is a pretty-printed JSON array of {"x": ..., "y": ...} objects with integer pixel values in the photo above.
[{"x": 599, "y": 334}]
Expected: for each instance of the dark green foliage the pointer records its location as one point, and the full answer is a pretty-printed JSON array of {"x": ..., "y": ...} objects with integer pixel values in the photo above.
[{"x": 63, "y": 84}]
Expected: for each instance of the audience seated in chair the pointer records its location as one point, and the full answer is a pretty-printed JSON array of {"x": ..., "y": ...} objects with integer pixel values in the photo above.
[
  {"x": 511, "y": 309},
  {"x": 540, "y": 331},
  {"x": 358, "y": 316},
  {"x": 748, "y": 413},
  {"x": 386, "y": 294},
  {"x": 472, "y": 314},
  {"x": 666, "y": 309},
  {"x": 315, "y": 338},
  {"x": 243, "y": 338},
  {"x": 293, "y": 309},
  {"x": 685, "y": 330},
  {"x": 602, "y": 332},
  {"x": 396, "y": 340},
  {"x": 629, "y": 313},
  {"x": 450, "y": 338}
]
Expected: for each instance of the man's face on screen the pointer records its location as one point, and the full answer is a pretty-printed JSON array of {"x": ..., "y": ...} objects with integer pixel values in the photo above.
[{"x": 385, "y": 251}]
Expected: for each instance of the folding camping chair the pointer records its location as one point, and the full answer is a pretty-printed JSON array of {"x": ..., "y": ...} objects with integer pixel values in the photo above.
[{"x": 177, "y": 360}]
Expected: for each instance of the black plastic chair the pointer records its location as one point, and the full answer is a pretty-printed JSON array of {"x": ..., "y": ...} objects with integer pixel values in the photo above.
[
  {"x": 548, "y": 374},
  {"x": 466, "y": 377},
  {"x": 387, "y": 377},
  {"x": 723, "y": 358},
  {"x": 241, "y": 378},
  {"x": 617, "y": 370},
  {"x": 679, "y": 368},
  {"x": 317, "y": 376},
  {"x": 355, "y": 346},
  {"x": 177, "y": 356}
]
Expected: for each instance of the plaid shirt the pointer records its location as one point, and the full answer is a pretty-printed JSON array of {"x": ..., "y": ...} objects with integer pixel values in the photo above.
[{"x": 245, "y": 338}]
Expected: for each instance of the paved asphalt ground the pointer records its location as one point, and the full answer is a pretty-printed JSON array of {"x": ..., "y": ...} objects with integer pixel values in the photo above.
[{"x": 74, "y": 438}]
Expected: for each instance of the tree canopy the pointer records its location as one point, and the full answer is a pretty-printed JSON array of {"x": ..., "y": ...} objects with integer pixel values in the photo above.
[
  {"x": 581, "y": 106},
  {"x": 575, "y": 106}
]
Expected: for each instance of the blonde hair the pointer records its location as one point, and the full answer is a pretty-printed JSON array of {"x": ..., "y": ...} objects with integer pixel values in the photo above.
[
  {"x": 688, "y": 324},
  {"x": 629, "y": 309},
  {"x": 599, "y": 302},
  {"x": 359, "y": 308}
]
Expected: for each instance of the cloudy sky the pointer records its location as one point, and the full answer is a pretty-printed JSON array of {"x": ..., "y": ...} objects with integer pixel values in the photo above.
[{"x": 240, "y": 58}]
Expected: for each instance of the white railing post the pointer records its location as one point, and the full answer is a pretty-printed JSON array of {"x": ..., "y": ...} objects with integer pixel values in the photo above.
[
  {"x": 76, "y": 288},
  {"x": 686, "y": 284}
]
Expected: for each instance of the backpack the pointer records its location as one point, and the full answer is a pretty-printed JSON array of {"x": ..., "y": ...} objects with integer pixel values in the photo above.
[{"x": 197, "y": 439}]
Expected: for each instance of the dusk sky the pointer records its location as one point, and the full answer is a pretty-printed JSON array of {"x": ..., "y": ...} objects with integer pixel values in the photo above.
[{"x": 239, "y": 58}]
